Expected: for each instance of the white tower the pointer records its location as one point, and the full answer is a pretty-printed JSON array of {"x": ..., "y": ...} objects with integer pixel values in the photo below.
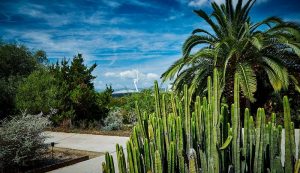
[{"x": 136, "y": 80}]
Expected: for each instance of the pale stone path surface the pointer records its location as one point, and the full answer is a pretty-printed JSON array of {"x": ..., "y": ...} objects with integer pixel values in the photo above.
[
  {"x": 101, "y": 143},
  {"x": 86, "y": 142}
]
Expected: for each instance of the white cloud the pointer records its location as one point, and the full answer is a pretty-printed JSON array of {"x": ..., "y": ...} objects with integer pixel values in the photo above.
[
  {"x": 152, "y": 76},
  {"x": 129, "y": 74},
  {"x": 197, "y": 3},
  {"x": 132, "y": 74},
  {"x": 110, "y": 74}
]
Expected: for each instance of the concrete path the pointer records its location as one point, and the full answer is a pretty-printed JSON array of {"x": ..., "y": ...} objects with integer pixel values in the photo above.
[
  {"x": 101, "y": 143},
  {"x": 87, "y": 142}
]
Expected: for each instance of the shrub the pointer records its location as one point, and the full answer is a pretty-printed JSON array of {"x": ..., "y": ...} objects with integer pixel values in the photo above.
[
  {"x": 114, "y": 120},
  {"x": 22, "y": 139},
  {"x": 129, "y": 117},
  {"x": 38, "y": 93}
]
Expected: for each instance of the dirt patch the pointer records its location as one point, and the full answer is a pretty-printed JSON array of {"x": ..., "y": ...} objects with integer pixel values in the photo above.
[
  {"x": 53, "y": 159},
  {"x": 71, "y": 152},
  {"x": 124, "y": 132}
]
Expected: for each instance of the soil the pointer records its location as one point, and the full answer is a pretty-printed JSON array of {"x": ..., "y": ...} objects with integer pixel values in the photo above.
[
  {"x": 126, "y": 131},
  {"x": 59, "y": 155}
]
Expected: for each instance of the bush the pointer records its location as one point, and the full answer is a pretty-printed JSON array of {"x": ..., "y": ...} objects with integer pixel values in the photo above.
[
  {"x": 129, "y": 117},
  {"x": 114, "y": 120},
  {"x": 22, "y": 140},
  {"x": 38, "y": 93}
]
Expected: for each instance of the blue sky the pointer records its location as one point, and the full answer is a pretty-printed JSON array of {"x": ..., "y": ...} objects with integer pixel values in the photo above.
[{"x": 124, "y": 37}]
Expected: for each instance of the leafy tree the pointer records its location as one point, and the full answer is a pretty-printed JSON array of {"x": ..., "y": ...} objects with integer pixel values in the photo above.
[
  {"x": 16, "y": 62},
  {"x": 38, "y": 93},
  {"x": 79, "y": 99},
  {"x": 144, "y": 98},
  {"x": 105, "y": 98},
  {"x": 236, "y": 45}
]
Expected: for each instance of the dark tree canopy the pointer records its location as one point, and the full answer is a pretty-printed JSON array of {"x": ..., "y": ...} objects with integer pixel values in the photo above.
[
  {"x": 77, "y": 89},
  {"x": 16, "y": 63}
]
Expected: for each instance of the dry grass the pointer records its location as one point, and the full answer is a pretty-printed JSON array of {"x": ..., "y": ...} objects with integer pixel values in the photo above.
[{"x": 72, "y": 152}]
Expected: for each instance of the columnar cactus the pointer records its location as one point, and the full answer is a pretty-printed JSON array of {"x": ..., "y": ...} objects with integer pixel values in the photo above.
[{"x": 199, "y": 135}]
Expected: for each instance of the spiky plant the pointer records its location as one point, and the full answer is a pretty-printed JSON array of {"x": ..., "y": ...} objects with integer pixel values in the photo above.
[{"x": 205, "y": 138}]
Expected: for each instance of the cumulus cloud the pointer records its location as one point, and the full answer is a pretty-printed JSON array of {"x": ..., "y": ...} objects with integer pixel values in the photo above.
[
  {"x": 129, "y": 74},
  {"x": 110, "y": 74},
  {"x": 152, "y": 76},
  {"x": 132, "y": 74},
  {"x": 197, "y": 3}
]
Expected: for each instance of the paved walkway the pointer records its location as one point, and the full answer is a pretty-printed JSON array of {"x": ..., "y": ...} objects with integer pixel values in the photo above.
[
  {"x": 87, "y": 142},
  {"x": 101, "y": 143}
]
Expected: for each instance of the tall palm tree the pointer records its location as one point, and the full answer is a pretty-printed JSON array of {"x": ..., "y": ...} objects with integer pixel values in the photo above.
[{"x": 235, "y": 45}]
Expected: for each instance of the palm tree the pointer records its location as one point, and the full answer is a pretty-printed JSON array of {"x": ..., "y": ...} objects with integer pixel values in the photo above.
[{"x": 235, "y": 45}]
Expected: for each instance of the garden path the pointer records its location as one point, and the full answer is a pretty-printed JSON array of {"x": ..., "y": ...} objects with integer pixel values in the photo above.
[
  {"x": 101, "y": 143},
  {"x": 86, "y": 142}
]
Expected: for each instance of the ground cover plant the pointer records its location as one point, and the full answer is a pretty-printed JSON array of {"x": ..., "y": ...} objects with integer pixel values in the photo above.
[
  {"x": 205, "y": 135},
  {"x": 22, "y": 139}
]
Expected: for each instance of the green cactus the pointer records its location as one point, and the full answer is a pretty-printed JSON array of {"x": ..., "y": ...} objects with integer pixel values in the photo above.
[
  {"x": 288, "y": 165},
  {"x": 297, "y": 167},
  {"x": 121, "y": 159},
  {"x": 157, "y": 99},
  {"x": 202, "y": 135},
  {"x": 193, "y": 166},
  {"x": 187, "y": 119},
  {"x": 158, "y": 162},
  {"x": 171, "y": 158},
  {"x": 130, "y": 156},
  {"x": 147, "y": 155},
  {"x": 109, "y": 164},
  {"x": 236, "y": 127},
  {"x": 173, "y": 104}
]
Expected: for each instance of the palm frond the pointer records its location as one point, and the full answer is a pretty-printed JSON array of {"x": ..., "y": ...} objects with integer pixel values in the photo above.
[
  {"x": 247, "y": 79},
  {"x": 204, "y": 16},
  {"x": 279, "y": 73},
  {"x": 256, "y": 41},
  {"x": 172, "y": 70},
  {"x": 268, "y": 22},
  {"x": 198, "y": 30},
  {"x": 194, "y": 40},
  {"x": 295, "y": 47},
  {"x": 296, "y": 83}
]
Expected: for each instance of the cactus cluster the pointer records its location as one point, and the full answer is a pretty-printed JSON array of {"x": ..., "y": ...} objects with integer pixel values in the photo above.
[{"x": 203, "y": 135}]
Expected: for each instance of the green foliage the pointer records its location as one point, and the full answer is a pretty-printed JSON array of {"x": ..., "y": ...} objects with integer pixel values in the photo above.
[
  {"x": 114, "y": 120},
  {"x": 16, "y": 62},
  {"x": 76, "y": 90},
  {"x": 145, "y": 98},
  {"x": 208, "y": 139},
  {"x": 22, "y": 139},
  {"x": 237, "y": 45},
  {"x": 38, "y": 93}
]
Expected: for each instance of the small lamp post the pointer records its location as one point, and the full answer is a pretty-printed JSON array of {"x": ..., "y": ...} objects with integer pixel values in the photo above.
[{"x": 52, "y": 145}]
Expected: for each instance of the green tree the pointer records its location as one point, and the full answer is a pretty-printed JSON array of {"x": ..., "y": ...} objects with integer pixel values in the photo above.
[
  {"x": 104, "y": 100},
  {"x": 38, "y": 93},
  {"x": 79, "y": 98},
  {"x": 237, "y": 45},
  {"x": 16, "y": 62}
]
